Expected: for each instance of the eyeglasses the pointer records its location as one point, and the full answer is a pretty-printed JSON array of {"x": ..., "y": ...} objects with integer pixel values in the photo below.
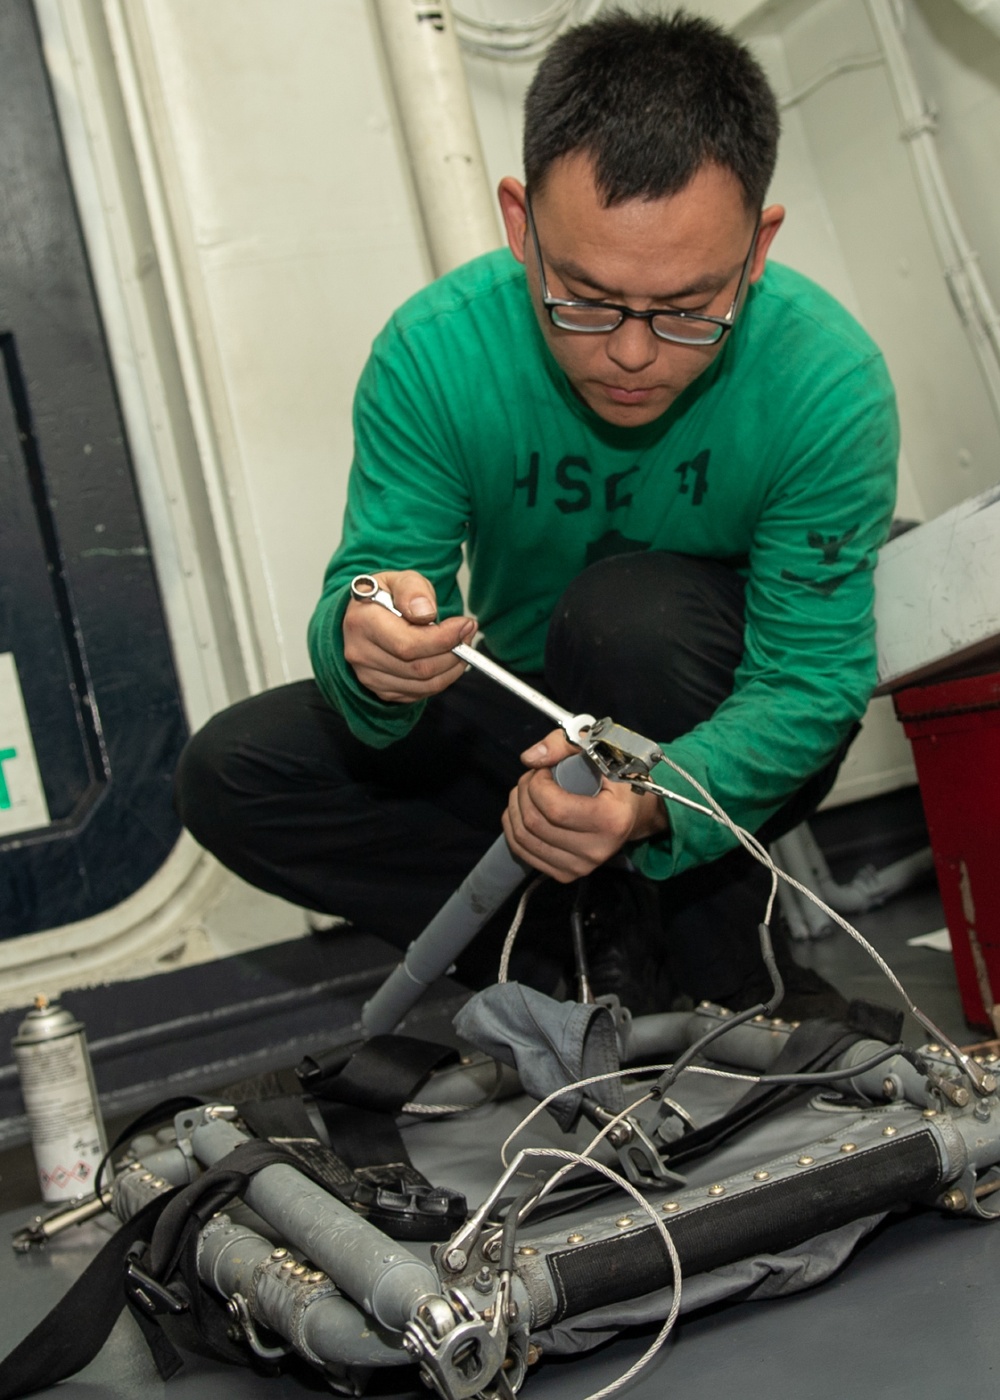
[{"x": 599, "y": 317}]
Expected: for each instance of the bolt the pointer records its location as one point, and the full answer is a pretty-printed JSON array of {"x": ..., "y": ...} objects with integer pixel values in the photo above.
[
  {"x": 954, "y": 1199},
  {"x": 455, "y": 1260},
  {"x": 533, "y": 1355},
  {"x": 483, "y": 1282},
  {"x": 889, "y": 1087},
  {"x": 492, "y": 1249}
]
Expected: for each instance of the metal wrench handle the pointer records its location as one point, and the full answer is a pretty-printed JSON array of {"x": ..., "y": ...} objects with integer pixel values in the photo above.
[{"x": 366, "y": 589}]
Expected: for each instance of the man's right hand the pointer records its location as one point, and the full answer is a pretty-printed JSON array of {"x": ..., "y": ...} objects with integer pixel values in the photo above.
[{"x": 406, "y": 658}]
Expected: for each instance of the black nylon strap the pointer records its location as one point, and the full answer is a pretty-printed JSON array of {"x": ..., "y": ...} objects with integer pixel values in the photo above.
[
  {"x": 78, "y": 1326},
  {"x": 360, "y": 1102},
  {"x": 812, "y": 1046},
  {"x": 383, "y": 1074}
]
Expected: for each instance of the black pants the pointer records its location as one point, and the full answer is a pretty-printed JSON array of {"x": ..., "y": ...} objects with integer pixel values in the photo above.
[{"x": 282, "y": 793}]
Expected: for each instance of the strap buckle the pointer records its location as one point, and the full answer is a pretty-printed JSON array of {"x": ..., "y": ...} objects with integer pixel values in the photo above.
[{"x": 146, "y": 1293}]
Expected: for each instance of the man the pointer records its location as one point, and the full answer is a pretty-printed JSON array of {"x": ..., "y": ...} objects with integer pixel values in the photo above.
[{"x": 671, "y": 468}]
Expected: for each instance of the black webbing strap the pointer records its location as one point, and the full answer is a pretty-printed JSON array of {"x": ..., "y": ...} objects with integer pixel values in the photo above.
[
  {"x": 812, "y": 1046},
  {"x": 382, "y": 1074},
  {"x": 359, "y": 1102},
  {"x": 80, "y": 1323},
  {"x": 159, "y": 1284}
]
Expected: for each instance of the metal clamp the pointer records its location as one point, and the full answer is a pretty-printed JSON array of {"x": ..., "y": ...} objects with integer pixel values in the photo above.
[
  {"x": 461, "y": 1356},
  {"x": 239, "y": 1310}
]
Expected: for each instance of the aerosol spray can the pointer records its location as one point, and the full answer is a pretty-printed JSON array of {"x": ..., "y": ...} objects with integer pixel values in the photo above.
[{"x": 57, "y": 1084}]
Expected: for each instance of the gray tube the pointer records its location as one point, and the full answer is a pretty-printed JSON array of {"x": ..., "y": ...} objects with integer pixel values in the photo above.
[
  {"x": 458, "y": 921},
  {"x": 384, "y": 1279},
  {"x": 320, "y": 1324}
]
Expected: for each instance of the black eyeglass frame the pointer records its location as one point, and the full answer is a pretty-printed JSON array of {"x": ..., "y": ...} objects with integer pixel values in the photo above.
[{"x": 721, "y": 324}]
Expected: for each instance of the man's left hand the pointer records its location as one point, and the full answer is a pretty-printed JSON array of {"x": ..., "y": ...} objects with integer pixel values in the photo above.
[{"x": 567, "y": 836}]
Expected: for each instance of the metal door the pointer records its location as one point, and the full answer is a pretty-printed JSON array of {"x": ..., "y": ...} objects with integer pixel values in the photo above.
[{"x": 91, "y": 721}]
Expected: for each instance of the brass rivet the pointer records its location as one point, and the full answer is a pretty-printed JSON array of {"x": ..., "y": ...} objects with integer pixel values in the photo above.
[
  {"x": 317, "y": 1276},
  {"x": 758, "y": 1020},
  {"x": 574, "y": 1238},
  {"x": 288, "y": 1264},
  {"x": 934, "y": 1049},
  {"x": 806, "y": 1161},
  {"x": 279, "y": 1253},
  {"x": 716, "y": 1190},
  {"x": 762, "y": 1176},
  {"x": 670, "y": 1206},
  {"x": 298, "y": 1271},
  {"x": 849, "y": 1147},
  {"x": 527, "y": 1249},
  {"x": 929, "y": 1113},
  {"x": 146, "y": 1176},
  {"x": 623, "y": 1221},
  {"x": 777, "y": 1022},
  {"x": 955, "y": 1199},
  {"x": 889, "y": 1130}
]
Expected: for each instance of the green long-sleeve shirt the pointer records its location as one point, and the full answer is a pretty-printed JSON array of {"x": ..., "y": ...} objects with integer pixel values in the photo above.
[{"x": 779, "y": 458}]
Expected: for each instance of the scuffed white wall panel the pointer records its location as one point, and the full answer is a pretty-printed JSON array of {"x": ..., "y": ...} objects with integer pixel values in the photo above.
[{"x": 303, "y": 240}]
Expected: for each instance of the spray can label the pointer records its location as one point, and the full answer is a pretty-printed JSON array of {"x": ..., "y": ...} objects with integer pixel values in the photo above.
[{"x": 67, "y": 1135}]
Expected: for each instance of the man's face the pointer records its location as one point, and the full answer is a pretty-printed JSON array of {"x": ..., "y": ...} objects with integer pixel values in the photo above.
[{"x": 685, "y": 251}]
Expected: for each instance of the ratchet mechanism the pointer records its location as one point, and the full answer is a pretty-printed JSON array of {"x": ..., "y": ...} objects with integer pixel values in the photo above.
[{"x": 617, "y": 753}]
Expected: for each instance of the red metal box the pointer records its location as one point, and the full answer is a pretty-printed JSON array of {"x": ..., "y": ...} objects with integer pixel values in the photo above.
[{"x": 954, "y": 727}]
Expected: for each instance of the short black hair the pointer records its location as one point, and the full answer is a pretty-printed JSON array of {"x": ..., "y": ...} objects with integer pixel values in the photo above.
[{"x": 651, "y": 99}]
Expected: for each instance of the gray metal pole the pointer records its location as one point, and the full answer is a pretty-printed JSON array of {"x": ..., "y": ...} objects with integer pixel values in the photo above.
[
  {"x": 382, "y": 1277},
  {"x": 457, "y": 922}
]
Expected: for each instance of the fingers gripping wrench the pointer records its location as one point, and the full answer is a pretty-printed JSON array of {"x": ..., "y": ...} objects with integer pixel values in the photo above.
[{"x": 365, "y": 588}]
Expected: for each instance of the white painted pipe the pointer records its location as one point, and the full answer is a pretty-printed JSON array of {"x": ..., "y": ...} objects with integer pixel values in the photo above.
[
  {"x": 986, "y": 11},
  {"x": 439, "y": 129},
  {"x": 959, "y": 260}
]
